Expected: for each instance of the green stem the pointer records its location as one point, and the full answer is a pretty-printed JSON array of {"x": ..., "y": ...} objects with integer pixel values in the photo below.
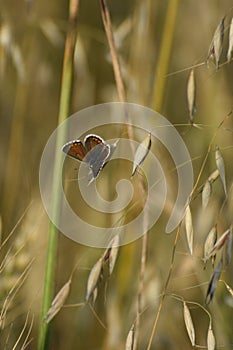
[
  {"x": 65, "y": 99},
  {"x": 164, "y": 56}
]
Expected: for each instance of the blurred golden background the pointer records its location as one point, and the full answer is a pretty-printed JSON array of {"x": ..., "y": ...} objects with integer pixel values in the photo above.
[{"x": 32, "y": 38}]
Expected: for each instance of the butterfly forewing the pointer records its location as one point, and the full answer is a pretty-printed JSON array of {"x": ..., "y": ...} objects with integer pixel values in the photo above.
[
  {"x": 75, "y": 149},
  {"x": 91, "y": 141}
]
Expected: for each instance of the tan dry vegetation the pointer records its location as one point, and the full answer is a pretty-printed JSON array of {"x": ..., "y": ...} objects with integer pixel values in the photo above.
[{"x": 32, "y": 37}]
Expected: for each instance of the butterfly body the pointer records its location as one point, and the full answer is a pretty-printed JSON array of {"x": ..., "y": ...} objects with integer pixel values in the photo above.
[{"x": 94, "y": 151}]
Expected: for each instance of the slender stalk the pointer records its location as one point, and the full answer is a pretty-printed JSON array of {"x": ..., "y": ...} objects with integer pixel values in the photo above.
[
  {"x": 115, "y": 61},
  {"x": 65, "y": 99},
  {"x": 164, "y": 56},
  {"x": 164, "y": 289},
  {"x": 122, "y": 96}
]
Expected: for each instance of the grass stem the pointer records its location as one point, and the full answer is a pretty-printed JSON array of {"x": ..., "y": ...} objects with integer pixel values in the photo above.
[{"x": 64, "y": 108}]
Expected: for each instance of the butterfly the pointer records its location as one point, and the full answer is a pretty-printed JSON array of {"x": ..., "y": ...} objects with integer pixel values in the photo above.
[{"x": 94, "y": 151}]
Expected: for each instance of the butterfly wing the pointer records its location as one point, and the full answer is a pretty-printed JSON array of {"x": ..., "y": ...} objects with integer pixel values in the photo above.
[
  {"x": 92, "y": 141},
  {"x": 75, "y": 149},
  {"x": 97, "y": 158}
]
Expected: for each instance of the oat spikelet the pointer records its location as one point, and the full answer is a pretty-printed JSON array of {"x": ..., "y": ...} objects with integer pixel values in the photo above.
[
  {"x": 58, "y": 301},
  {"x": 191, "y": 95},
  {"x": 215, "y": 49},
  {"x": 189, "y": 324},
  {"x": 141, "y": 153},
  {"x": 209, "y": 243},
  {"x": 221, "y": 168},
  {"x": 189, "y": 229},
  {"x": 229, "y": 247},
  {"x": 210, "y": 338},
  {"x": 130, "y": 339},
  {"x": 230, "y": 42},
  {"x": 220, "y": 242},
  {"x": 113, "y": 253},
  {"x": 213, "y": 176},
  {"x": 94, "y": 277},
  {"x": 213, "y": 283},
  {"x": 206, "y": 193}
]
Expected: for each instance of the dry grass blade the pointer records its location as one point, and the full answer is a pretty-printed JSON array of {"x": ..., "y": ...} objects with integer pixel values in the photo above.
[
  {"x": 191, "y": 95},
  {"x": 221, "y": 168},
  {"x": 210, "y": 338},
  {"x": 58, "y": 301},
  {"x": 21, "y": 333},
  {"x": 230, "y": 42},
  {"x": 11, "y": 294},
  {"x": 206, "y": 192},
  {"x": 215, "y": 49},
  {"x": 26, "y": 340},
  {"x": 209, "y": 243},
  {"x": 189, "y": 229},
  {"x": 130, "y": 339},
  {"x": 94, "y": 277},
  {"x": 141, "y": 153},
  {"x": 189, "y": 324},
  {"x": 115, "y": 61},
  {"x": 213, "y": 283},
  {"x": 220, "y": 242}
]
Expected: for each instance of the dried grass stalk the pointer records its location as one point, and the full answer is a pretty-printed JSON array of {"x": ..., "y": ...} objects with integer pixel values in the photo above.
[{"x": 189, "y": 324}]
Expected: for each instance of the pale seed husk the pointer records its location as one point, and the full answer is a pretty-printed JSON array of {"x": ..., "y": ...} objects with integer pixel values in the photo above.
[
  {"x": 191, "y": 95},
  {"x": 221, "y": 168},
  {"x": 206, "y": 193},
  {"x": 93, "y": 278},
  {"x": 215, "y": 49},
  {"x": 209, "y": 243},
  {"x": 130, "y": 339},
  {"x": 210, "y": 338},
  {"x": 189, "y": 324},
  {"x": 141, "y": 153},
  {"x": 189, "y": 229},
  {"x": 58, "y": 301},
  {"x": 230, "y": 42}
]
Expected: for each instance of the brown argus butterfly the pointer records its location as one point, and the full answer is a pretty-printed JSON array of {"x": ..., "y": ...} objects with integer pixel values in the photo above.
[{"x": 94, "y": 151}]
